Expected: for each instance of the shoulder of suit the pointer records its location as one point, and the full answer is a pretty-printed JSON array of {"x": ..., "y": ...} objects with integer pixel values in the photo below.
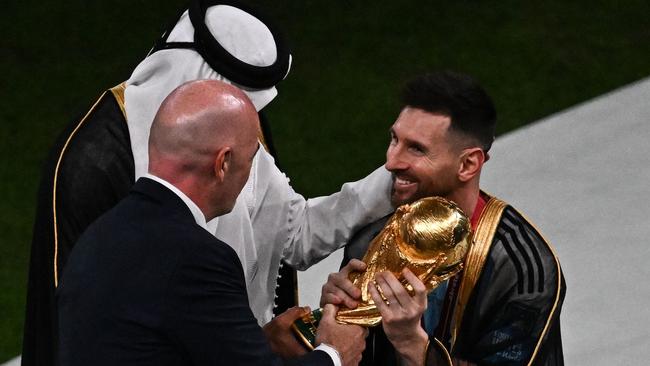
[{"x": 171, "y": 224}]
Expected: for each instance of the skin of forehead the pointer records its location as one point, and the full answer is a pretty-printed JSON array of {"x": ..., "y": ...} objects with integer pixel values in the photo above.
[{"x": 421, "y": 118}]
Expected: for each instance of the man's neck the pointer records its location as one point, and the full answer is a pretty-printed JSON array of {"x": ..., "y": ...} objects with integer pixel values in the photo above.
[
  {"x": 195, "y": 209},
  {"x": 465, "y": 199},
  {"x": 478, "y": 210}
]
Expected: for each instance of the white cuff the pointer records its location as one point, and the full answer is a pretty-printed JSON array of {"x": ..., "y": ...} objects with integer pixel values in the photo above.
[{"x": 331, "y": 351}]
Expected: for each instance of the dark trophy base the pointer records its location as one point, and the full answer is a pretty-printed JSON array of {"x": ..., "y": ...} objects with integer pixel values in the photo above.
[{"x": 305, "y": 328}]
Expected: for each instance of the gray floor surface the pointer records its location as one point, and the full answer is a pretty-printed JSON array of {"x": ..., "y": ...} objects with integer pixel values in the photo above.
[{"x": 582, "y": 176}]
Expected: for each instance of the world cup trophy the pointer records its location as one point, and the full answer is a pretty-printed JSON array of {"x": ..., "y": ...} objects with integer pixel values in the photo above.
[{"x": 430, "y": 237}]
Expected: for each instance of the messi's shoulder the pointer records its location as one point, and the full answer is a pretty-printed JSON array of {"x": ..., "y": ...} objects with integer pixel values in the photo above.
[{"x": 519, "y": 245}]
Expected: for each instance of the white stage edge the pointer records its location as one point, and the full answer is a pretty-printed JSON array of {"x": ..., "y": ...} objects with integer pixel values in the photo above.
[{"x": 12, "y": 362}]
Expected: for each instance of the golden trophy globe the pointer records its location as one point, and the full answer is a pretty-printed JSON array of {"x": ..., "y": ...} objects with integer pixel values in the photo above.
[{"x": 430, "y": 237}]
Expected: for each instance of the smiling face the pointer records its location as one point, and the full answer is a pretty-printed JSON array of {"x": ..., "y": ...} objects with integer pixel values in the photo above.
[{"x": 422, "y": 157}]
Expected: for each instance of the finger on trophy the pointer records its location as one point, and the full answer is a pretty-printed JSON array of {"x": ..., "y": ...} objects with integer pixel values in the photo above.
[
  {"x": 381, "y": 292},
  {"x": 409, "y": 288}
]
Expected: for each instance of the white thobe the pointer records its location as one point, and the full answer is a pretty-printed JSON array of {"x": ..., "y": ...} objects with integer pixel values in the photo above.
[{"x": 271, "y": 222}]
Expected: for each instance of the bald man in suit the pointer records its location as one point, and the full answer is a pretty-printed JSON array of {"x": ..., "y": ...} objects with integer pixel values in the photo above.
[{"x": 147, "y": 284}]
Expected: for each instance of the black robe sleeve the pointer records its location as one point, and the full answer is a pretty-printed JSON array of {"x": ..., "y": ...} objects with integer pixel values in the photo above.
[
  {"x": 89, "y": 169},
  {"x": 512, "y": 317},
  {"x": 513, "y": 314}
]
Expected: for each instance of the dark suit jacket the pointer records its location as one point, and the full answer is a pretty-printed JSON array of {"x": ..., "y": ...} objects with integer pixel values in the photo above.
[{"x": 146, "y": 285}]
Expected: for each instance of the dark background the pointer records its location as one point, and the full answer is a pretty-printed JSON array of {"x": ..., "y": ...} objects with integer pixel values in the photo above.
[{"x": 331, "y": 118}]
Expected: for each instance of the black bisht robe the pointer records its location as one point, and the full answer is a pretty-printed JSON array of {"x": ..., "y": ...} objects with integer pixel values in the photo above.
[
  {"x": 513, "y": 313},
  {"x": 88, "y": 170}
]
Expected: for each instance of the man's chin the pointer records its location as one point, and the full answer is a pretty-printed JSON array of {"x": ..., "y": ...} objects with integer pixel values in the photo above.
[
  {"x": 397, "y": 200},
  {"x": 403, "y": 194}
]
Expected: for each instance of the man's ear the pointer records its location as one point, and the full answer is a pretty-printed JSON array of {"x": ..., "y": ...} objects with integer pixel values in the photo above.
[
  {"x": 471, "y": 161},
  {"x": 222, "y": 163}
]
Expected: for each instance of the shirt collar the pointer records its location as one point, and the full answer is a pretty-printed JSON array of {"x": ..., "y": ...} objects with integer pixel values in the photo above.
[{"x": 199, "y": 217}]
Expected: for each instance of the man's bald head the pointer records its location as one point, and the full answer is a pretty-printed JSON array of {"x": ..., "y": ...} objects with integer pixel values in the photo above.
[
  {"x": 197, "y": 117},
  {"x": 197, "y": 123}
]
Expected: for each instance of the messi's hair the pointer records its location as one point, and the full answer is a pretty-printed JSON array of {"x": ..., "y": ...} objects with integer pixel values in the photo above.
[{"x": 457, "y": 96}]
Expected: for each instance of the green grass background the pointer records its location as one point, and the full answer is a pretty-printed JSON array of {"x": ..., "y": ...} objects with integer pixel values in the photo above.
[{"x": 331, "y": 118}]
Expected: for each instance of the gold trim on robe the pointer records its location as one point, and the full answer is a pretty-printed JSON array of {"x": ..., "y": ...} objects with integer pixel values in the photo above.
[
  {"x": 483, "y": 237},
  {"x": 478, "y": 252},
  {"x": 118, "y": 93}
]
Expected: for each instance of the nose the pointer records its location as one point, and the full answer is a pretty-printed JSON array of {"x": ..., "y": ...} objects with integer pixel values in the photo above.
[{"x": 394, "y": 159}]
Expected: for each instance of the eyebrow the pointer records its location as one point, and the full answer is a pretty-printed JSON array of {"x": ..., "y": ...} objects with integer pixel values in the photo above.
[
  {"x": 418, "y": 145},
  {"x": 409, "y": 141}
]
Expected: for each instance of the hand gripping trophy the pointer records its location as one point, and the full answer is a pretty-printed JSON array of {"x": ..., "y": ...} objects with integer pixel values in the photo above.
[{"x": 430, "y": 236}]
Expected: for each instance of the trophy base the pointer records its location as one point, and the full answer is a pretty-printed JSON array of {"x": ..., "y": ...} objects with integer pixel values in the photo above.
[{"x": 305, "y": 328}]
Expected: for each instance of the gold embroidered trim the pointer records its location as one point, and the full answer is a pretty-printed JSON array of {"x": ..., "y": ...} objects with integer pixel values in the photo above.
[
  {"x": 444, "y": 351},
  {"x": 476, "y": 256},
  {"x": 118, "y": 93},
  {"x": 56, "y": 176},
  {"x": 482, "y": 233}
]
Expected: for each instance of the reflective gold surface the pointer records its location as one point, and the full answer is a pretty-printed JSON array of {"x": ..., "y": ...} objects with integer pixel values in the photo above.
[{"x": 430, "y": 237}]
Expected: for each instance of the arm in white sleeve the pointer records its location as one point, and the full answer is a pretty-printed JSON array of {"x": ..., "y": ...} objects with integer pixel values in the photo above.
[
  {"x": 321, "y": 225},
  {"x": 271, "y": 222},
  {"x": 312, "y": 229}
]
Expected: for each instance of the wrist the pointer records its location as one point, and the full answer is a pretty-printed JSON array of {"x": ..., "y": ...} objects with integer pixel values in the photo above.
[
  {"x": 412, "y": 351},
  {"x": 332, "y": 352}
]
